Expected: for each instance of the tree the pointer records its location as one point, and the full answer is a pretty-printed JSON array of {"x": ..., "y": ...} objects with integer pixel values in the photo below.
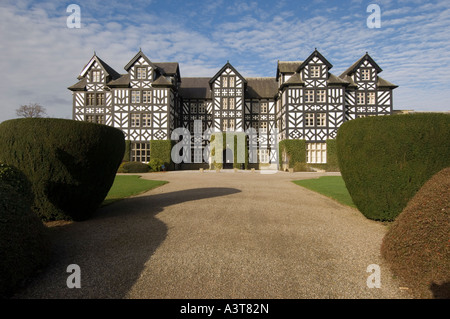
[{"x": 31, "y": 110}]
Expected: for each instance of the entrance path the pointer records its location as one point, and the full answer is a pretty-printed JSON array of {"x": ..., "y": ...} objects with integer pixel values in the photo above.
[{"x": 220, "y": 235}]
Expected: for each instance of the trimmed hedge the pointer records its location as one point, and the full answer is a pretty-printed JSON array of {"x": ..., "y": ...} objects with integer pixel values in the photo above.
[
  {"x": 17, "y": 180},
  {"x": 294, "y": 151},
  {"x": 160, "y": 150},
  {"x": 214, "y": 147},
  {"x": 385, "y": 160},
  {"x": 133, "y": 167},
  {"x": 127, "y": 153},
  {"x": 71, "y": 165},
  {"x": 24, "y": 242},
  {"x": 416, "y": 245}
]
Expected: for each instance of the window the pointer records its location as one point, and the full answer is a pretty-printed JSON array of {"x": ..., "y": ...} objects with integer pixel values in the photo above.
[
  {"x": 321, "y": 119},
  {"x": 146, "y": 120},
  {"x": 365, "y": 74},
  {"x": 193, "y": 107},
  {"x": 225, "y": 103},
  {"x": 360, "y": 116},
  {"x": 135, "y": 120},
  {"x": 309, "y": 119},
  {"x": 198, "y": 156},
  {"x": 263, "y": 156},
  {"x": 264, "y": 107},
  {"x": 316, "y": 153},
  {"x": 146, "y": 96},
  {"x": 96, "y": 74},
  {"x": 135, "y": 97},
  {"x": 224, "y": 125},
  {"x": 224, "y": 81},
  {"x": 201, "y": 108},
  {"x": 315, "y": 71},
  {"x": 90, "y": 99},
  {"x": 360, "y": 97},
  {"x": 309, "y": 96},
  {"x": 231, "y": 82},
  {"x": 231, "y": 125},
  {"x": 140, "y": 152},
  {"x": 99, "y": 119},
  {"x": 321, "y": 96},
  {"x": 100, "y": 98},
  {"x": 263, "y": 127},
  {"x": 232, "y": 102},
  {"x": 255, "y": 108},
  {"x": 371, "y": 98},
  {"x": 141, "y": 73}
]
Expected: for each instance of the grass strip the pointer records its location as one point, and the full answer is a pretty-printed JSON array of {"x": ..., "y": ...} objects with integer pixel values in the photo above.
[
  {"x": 330, "y": 186},
  {"x": 128, "y": 185}
]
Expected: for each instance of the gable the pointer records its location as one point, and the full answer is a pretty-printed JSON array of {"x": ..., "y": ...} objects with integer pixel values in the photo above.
[{"x": 227, "y": 71}]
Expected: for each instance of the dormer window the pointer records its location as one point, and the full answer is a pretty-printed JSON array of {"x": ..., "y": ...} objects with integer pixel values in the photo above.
[
  {"x": 141, "y": 73},
  {"x": 224, "y": 81},
  {"x": 231, "y": 82},
  {"x": 365, "y": 74},
  {"x": 315, "y": 71},
  {"x": 96, "y": 74}
]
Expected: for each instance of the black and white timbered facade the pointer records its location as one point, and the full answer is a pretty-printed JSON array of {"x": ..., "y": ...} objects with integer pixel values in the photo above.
[{"x": 303, "y": 101}]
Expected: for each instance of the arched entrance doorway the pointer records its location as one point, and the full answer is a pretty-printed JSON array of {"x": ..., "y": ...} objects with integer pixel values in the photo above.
[{"x": 228, "y": 158}]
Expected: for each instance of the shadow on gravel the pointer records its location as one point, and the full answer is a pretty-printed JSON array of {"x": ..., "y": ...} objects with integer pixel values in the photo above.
[{"x": 111, "y": 248}]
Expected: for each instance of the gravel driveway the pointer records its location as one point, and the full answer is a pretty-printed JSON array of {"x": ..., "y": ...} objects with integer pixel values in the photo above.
[{"x": 220, "y": 235}]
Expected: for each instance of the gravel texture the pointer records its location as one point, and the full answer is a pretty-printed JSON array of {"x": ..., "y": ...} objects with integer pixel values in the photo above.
[{"x": 220, "y": 235}]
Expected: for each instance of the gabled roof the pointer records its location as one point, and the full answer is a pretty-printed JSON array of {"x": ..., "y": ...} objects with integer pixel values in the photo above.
[
  {"x": 385, "y": 84},
  {"x": 169, "y": 68},
  {"x": 108, "y": 70},
  {"x": 138, "y": 55},
  {"x": 334, "y": 80},
  {"x": 356, "y": 65},
  {"x": 162, "y": 81},
  {"x": 122, "y": 81},
  {"x": 227, "y": 65},
  {"x": 295, "y": 79},
  {"x": 79, "y": 86},
  {"x": 262, "y": 88},
  {"x": 313, "y": 55},
  {"x": 195, "y": 88},
  {"x": 287, "y": 67}
]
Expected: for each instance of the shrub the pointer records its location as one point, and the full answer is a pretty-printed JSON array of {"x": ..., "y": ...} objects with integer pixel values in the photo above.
[
  {"x": 126, "y": 154},
  {"x": 15, "y": 178},
  {"x": 385, "y": 160},
  {"x": 217, "y": 150},
  {"x": 161, "y": 150},
  {"x": 24, "y": 244},
  {"x": 416, "y": 245},
  {"x": 332, "y": 159},
  {"x": 156, "y": 165},
  {"x": 71, "y": 165},
  {"x": 292, "y": 152},
  {"x": 133, "y": 167}
]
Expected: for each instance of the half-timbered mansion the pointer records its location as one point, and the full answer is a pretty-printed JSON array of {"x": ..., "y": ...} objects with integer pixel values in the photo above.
[{"x": 303, "y": 101}]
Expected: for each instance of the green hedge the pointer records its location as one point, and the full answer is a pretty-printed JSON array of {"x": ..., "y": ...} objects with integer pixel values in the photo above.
[
  {"x": 17, "y": 180},
  {"x": 332, "y": 159},
  {"x": 71, "y": 165},
  {"x": 127, "y": 153},
  {"x": 214, "y": 147},
  {"x": 295, "y": 151},
  {"x": 385, "y": 160},
  {"x": 133, "y": 167},
  {"x": 24, "y": 242},
  {"x": 160, "y": 150}
]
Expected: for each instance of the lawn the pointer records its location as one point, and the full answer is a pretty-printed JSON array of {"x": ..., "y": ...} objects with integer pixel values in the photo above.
[
  {"x": 129, "y": 185},
  {"x": 330, "y": 186}
]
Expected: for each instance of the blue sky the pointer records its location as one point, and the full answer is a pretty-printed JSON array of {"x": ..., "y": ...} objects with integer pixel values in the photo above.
[{"x": 41, "y": 57}]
